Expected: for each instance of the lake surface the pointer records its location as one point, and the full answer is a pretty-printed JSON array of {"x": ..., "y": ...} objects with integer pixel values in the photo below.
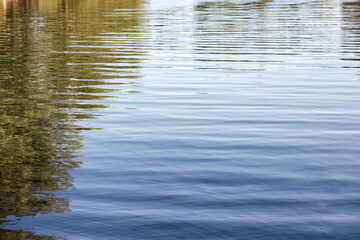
[{"x": 140, "y": 119}]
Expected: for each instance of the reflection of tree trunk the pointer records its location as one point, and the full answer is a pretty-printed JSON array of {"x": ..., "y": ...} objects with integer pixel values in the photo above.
[{"x": 351, "y": 26}]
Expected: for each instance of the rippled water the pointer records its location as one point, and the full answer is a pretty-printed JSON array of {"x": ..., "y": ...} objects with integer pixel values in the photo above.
[{"x": 131, "y": 119}]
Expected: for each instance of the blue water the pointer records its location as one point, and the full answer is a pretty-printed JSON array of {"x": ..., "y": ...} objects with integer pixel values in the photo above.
[{"x": 218, "y": 119}]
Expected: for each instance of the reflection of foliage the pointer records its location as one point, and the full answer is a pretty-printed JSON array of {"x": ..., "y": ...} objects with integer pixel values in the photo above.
[
  {"x": 37, "y": 139},
  {"x": 46, "y": 86},
  {"x": 16, "y": 235}
]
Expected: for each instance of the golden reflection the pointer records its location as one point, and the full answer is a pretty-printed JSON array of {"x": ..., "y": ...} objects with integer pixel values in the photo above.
[
  {"x": 4, "y": 2},
  {"x": 18, "y": 235},
  {"x": 53, "y": 71}
]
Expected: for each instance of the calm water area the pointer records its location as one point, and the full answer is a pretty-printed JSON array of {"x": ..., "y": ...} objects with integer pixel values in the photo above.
[{"x": 194, "y": 119}]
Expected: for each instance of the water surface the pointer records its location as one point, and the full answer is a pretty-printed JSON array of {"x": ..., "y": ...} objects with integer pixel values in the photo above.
[{"x": 215, "y": 119}]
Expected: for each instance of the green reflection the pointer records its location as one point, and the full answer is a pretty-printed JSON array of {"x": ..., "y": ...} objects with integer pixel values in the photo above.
[{"x": 53, "y": 72}]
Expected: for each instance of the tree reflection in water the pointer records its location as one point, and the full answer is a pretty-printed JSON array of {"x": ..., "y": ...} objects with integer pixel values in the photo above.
[{"x": 45, "y": 89}]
